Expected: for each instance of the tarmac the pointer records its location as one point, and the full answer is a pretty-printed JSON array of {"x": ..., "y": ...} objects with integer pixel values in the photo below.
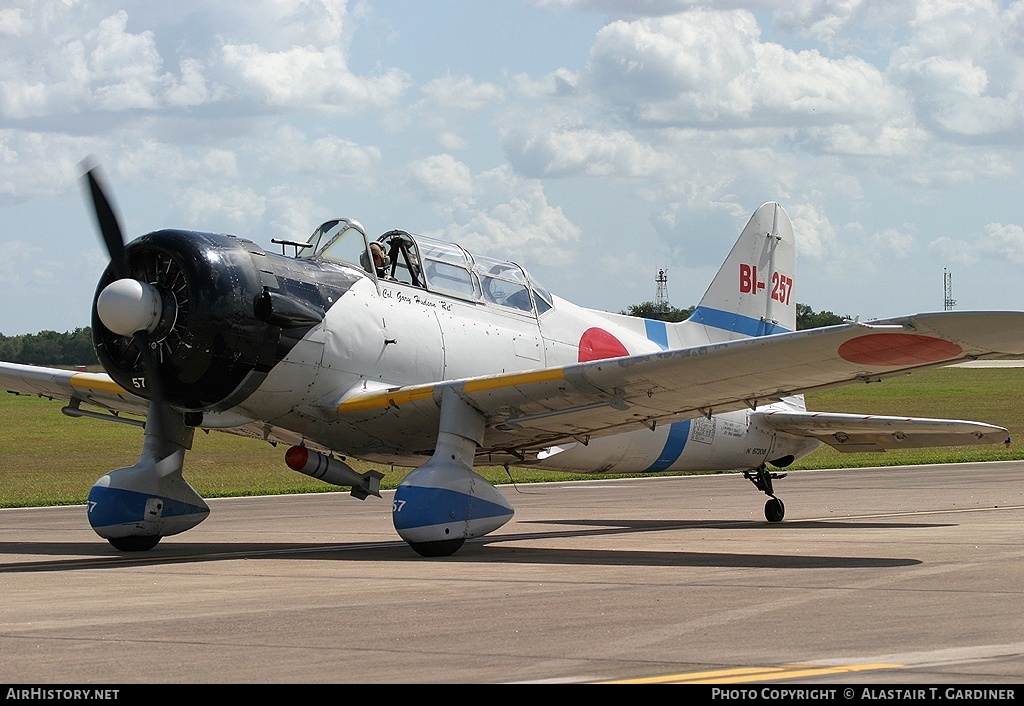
[{"x": 900, "y": 575}]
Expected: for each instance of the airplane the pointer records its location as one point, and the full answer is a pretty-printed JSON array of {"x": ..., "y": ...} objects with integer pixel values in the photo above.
[{"x": 413, "y": 351}]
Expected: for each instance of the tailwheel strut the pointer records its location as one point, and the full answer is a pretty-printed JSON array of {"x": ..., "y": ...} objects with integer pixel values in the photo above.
[{"x": 774, "y": 509}]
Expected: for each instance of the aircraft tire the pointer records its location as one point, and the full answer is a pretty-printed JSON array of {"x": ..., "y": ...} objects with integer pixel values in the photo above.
[
  {"x": 445, "y": 547},
  {"x": 774, "y": 510},
  {"x": 136, "y": 543}
]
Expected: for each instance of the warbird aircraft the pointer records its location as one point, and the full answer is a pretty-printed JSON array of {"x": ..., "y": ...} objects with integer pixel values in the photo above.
[{"x": 412, "y": 351}]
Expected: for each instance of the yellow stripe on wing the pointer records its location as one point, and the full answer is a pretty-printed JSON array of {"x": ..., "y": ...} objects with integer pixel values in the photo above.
[
  {"x": 403, "y": 395},
  {"x": 392, "y": 398},
  {"x": 512, "y": 379},
  {"x": 99, "y": 383}
]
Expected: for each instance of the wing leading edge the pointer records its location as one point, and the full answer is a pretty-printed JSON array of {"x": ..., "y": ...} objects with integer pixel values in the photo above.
[
  {"x": 95, "y": 388},
  {"x": 99, "y": 390}
]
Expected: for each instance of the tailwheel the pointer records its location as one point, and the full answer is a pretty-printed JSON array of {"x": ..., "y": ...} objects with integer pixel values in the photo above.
[
  {"x": 136, "y": 543},
  {"x": 445, "y": 547},
  {"x": 774, "y": 510}
]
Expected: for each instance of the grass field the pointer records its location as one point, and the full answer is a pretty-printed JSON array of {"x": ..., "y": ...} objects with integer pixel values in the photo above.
[{"x": 47, "y": 458}]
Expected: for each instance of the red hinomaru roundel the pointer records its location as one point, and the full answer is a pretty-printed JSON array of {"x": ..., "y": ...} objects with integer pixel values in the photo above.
[
  {"x": 598, "y": 344},
  {"x": 897, "y": 349}
]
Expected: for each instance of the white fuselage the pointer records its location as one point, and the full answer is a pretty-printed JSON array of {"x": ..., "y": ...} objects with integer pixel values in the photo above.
[{"x": 387, "y": 334}]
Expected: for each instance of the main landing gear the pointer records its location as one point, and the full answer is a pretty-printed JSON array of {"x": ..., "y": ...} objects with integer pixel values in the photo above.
[
  {"x": 136, "y": 543},
  {"x": 774, "y": 509},
  {"x": 441, "y": 504}
]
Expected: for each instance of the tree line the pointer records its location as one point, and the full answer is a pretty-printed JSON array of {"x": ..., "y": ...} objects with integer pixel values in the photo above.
[
  {"x": 805, "y": 316},
  {"x": 75, "y": 347},
  {"x": 50, "y": 348}
]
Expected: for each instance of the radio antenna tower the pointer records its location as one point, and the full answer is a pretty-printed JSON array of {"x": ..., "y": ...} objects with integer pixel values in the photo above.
[
  {"x": 949, "y": 301},
  {"x": 661, "y": 298}
]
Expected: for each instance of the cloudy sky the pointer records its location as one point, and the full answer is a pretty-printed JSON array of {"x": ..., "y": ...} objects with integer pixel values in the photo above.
[{"x": 593, "y": 141}]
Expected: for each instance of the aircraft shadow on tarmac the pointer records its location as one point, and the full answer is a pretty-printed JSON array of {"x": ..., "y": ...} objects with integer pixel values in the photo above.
[{"x": 498, "y": 547}]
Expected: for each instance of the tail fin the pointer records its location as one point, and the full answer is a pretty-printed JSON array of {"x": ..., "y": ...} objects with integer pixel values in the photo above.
[{"x": 752, "y": 294}]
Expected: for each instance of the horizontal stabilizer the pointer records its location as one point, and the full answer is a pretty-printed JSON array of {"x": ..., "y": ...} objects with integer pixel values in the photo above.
[{"x": 856, "y": 433}]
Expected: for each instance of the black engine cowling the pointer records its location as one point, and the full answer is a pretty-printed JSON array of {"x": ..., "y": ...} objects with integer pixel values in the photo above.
[{"x": 228, "y": 315}]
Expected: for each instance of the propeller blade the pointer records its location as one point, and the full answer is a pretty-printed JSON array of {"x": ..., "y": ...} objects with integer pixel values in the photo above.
[
  {"x": 110, "y": 229},
  {"x": 108, "y": 224}
]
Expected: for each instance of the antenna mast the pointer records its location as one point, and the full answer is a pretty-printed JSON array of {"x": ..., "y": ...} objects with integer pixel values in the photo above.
[
  {"x": 949, "y": 302},
  {"x": 661, "y": 298}
]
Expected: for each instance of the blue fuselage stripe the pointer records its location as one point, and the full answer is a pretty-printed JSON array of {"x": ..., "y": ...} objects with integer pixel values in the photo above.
[
  {"x": 678, "y": 433},
  {"x": 657, "y": 332},
  {"x": 730, "y": 321}
]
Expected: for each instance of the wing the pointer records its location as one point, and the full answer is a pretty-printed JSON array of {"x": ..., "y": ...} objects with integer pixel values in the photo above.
[
  {"x": 854, "y": 433},
  {"x": 95, "y": 388},
  {"x": 99, "y": 390},
  {"x": 535, "y": 409}
]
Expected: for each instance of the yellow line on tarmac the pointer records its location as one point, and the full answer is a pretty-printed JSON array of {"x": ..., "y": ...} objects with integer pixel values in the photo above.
[{"x": 743, "y": 675}]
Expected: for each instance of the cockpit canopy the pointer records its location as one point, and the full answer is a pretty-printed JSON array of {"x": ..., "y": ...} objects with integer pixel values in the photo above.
[{"x": 430, "y": 264}]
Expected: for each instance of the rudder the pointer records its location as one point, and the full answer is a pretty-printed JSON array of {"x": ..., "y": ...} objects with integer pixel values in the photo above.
[{"x": 752, "y": 294}]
